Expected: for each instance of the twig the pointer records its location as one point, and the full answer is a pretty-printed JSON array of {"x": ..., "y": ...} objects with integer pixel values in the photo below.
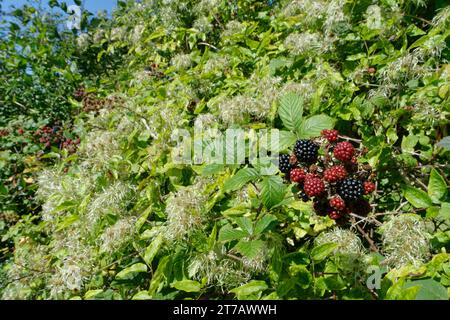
[
  {"x": 209, "y": 45},
  {"x": 373, "y": 247},
  {"x": 350, "y": 139}
]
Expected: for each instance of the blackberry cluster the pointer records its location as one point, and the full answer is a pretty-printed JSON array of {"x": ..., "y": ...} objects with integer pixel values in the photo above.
[
  {"x": 335, "y": 180},
  {"x": 350, "y": 189},
  {"x": 54, "y": 137},
  {"x": 306, "y": 151},
  {"x": 284, "y": 164}
]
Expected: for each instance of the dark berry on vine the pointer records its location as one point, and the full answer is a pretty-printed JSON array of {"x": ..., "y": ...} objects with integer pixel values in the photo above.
[
  {"x": 350, "y": 189},
  {"x": 284, "y": 164},
  {"x": 335, "y": 173},
  {"x": 303, "y": 196},
  {"x": 297, "y": 175},
  {"x": 369, "y": 187},
  {"x": 344, "y": 151},
  {"x": 330, "y": 135},
  {"x": 313, "y": 186},
  {"x": 360, "y": 207},
  {"x": 321, "y": 207},
  {"x": 337, "y": 203},
  {"x": 20, "y": 131},
  {"x": 306, "y": 151}
]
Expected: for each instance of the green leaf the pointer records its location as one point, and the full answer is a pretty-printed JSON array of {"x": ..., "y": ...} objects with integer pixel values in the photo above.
[
  {"x": 418, "y": 198},
  {"x": 66, "y": 205},
  {"x": 131, "y": 272},
  {"x": 437, "y": 187},
  {"x": 272, "y": 191},
  {"x": 250, "y": 288},
  {"x": 321, "y": 252},
  {"x": 159, "y": 276},
  {"x": 242, "y": 177},
  {"x": 187, "y": 285},
  {"x": 245, "y": 224},
  {"x": 227, "y": 233},
  {"x": 249, "y": 249},
  {"x": 291, "y": 111},
  {"x": 444, "y": 213},
  {"x": 429, "y": 289},
  {"x": 444, "y": 143},
  {"x": 312, "y": 126},
  {"x": 92, "y": 294},
  {"x": 264, "y": 222},
  {"x": 302, "y": 275},
  {"x": 409, "y": 142},
  {"x": 142, "y": 295},
  {"x": 285, "y": 141},
  {"x": 152, "y": 249}
]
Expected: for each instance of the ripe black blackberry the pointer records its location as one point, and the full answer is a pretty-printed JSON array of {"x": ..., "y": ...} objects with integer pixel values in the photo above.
[
  {"x": 350, "y": 189},
  {"x": 306, "y": 151},
  {"x": 302, "y": 195},
  {"x": 283, "y": 163}
]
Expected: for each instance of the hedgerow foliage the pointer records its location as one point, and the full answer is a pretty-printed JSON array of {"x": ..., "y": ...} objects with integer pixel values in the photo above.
[{"x": 120, "y": 219}]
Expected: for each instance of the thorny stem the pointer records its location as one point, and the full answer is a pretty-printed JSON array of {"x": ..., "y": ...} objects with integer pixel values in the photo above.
[{"x": 372, "y": 245}]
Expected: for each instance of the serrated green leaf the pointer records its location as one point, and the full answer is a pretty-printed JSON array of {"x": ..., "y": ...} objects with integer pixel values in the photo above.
[
  {"x": 286, "y": 140},
  {"x": 291, "y": 111},
  {"x": 245, "y": 224},
  {"x": 227, "y": 233},
  {"x": 313, "y": 126},
  {"x": 249, "y": 249},
  {"x": 437, "y": 187},
  {"x": 264, "y": 222},
  {"x": 242, "y": 177},
  {"x": 418, "y": 198},
  {"x": 272, "y": 191}
]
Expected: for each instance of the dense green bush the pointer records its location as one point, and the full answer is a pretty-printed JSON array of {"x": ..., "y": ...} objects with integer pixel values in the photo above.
[{"x": 121, "y": 219}]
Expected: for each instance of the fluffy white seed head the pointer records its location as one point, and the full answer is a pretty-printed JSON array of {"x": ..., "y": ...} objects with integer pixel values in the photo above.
[{"x": 405, "y": 241}]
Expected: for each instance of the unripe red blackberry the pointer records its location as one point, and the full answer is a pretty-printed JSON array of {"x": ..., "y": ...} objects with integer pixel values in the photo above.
[
  {"x": 337, "y": 203},
  {"x": 297, "y": 175},
  {"x": 350, "y": 189},
  {"x": 306, "y": 151},
  {"x": 330, "y": 135},
  {"x": 344, "y": 151},
  {"x": 283, "y": 163},
  {"x": 335, "y": 215},
  {"x": 313, "y": 186},
  {"x": 369, "y": 187},
  {"x": 335, "y": 173}
]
